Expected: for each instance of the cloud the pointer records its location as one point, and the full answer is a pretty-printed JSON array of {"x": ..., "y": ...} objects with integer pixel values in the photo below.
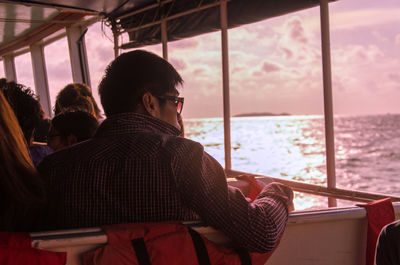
[
  {"x": 179, "y": 64},
  {"x": 357, "y": 54},
  {"x": 350, "y": 20},
  {"x": 237, "y": 69},
  {"x": 184, "y": 44},
  {"x": 270, "y": 67},
  {"x": 394, "y": 77},
  {"x": 287, "y": 52},
  {"x": 257, "y": 73},
  {"x": 397, "y": 39},
  {"x": 199, "y": 71},
  {"x": 296, "y": 30}
]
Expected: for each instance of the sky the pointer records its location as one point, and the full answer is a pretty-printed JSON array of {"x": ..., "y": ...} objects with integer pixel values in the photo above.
[{"x": 275, "y": 65}]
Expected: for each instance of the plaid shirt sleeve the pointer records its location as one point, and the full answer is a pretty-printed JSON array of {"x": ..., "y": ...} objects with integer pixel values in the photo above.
[{"x": 201, "y": 181}]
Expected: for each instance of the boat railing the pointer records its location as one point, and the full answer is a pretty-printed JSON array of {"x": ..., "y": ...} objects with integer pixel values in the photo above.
[{"x": 336, "y": 193}]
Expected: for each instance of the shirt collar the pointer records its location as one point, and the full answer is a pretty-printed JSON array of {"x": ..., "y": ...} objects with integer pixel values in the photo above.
[{"x": 130, "y": 122}]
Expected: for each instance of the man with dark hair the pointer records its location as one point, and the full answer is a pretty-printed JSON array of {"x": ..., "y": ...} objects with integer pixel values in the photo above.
[
  {"x": 69, "y": 128},
  {"x": 137, "y": 168},
  {"x": 29, "y": 114}
]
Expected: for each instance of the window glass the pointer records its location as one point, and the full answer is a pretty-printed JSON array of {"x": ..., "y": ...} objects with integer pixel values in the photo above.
[
  {"x": 277, "y": 124},
  {"x": 58, "y": 67},
  {"x": 365, "y": 43},
  {"x": 198, "y": 60},
  {"x": 23, "y": 67},
  {"x": 100, "y": 52}
]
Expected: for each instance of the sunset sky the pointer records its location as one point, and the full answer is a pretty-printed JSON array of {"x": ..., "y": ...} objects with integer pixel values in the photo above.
[{"x": 275, "y": 65}]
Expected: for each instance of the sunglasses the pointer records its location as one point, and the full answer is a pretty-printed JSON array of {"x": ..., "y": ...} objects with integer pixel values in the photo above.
[{"x": 178, "y": 101}]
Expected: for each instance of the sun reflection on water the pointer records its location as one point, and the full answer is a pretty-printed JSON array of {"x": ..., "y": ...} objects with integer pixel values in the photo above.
[{"x": 293, "y": 148}]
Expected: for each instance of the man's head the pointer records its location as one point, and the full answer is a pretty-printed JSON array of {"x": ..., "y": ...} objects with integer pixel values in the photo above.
[
  {"x": 25, "y": 105},
  {"x": 141, "y": 82},
  {"x": 69, "y": 128}
]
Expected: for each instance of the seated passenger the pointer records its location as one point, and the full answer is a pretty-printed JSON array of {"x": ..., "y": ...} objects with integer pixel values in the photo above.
[
  {"x": 21, "y": 187},
  {"x": 29, "y": 114},
  {"x": 137, "y": 168},
  {"x": 76, "y": 96},
  {"x": 69, "y": 128}
]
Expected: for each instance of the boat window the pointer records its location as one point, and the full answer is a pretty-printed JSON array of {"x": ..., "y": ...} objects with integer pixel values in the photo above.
[
  {"x": 23, "y": 67},
  {"x": 277, "y": 124},
  {"x": 365, "y": 43},
  {"x": 100, "y": 52},
  {"x": 58, "y": 67},
  {"x": 198, "y": 60}
]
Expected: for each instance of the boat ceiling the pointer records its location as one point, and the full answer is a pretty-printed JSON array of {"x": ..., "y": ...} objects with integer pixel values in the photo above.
[{"x": 140, "y": 19}]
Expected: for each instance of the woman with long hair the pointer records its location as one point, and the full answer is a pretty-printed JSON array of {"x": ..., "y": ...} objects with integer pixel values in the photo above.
[{"x": 21, "y": 188}]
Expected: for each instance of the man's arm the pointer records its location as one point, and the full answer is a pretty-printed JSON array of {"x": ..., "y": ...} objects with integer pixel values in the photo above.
[{"x": 202, "y": 182}]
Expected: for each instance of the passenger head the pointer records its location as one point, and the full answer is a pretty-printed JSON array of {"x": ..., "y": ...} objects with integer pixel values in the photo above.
[
  {"x": 25, "y": 105},
  {"x": 140, "y": 81},
  {"x": 20, "y": 183},
  {"x": 41, "y": 130},
  {"x": 69, "y": 128},
  {"x": 76, "y": 96}
]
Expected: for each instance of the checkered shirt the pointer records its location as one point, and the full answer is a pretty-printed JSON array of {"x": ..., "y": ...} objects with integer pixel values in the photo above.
[{"x": 137, "y": 169}]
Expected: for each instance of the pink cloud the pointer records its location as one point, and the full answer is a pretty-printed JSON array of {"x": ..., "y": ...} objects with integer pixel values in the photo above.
[
  {"x": 287, "y": 52},
  {"x": 270, "y": 67},
  {"x": 179, "y": 64},
  {"x": 397, "y": 39},
  {"x": 297, "y": 31},
  {"x": 257, "y": 73},
  {"x": 361, "y": 54},
  {"x": 184, "y": 44},
  {"x": 199, "y": 71},
  {"x": 236, "y": 69},
  {"x": 394, "y": 77}
]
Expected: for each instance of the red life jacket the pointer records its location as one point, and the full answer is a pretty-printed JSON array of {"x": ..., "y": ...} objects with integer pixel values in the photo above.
[
  {"x": 16, "y": 249},
  {"x": 379, "y": 213},
  {"x": 166, "y": 243}
]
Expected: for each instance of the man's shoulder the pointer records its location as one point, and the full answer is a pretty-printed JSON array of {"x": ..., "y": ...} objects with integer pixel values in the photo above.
[
  {"x": 180, "y": 144},
  {"x": 67, "y": 156}
]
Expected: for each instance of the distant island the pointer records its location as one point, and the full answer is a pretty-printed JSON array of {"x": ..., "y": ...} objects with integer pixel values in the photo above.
[{"x": 258, "y": 114}]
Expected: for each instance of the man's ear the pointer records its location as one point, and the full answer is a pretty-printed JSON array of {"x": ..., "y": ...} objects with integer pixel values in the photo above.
[{"x": 150, "y": 104}]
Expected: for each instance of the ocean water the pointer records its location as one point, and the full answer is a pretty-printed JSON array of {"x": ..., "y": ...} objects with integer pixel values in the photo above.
[{"x": 293, "y": 147}]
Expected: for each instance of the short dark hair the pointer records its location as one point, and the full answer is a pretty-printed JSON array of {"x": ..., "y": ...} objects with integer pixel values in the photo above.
[
  {"x": 25, "y": 104},
  {"x": 76, "y": 96},
  {"x": 131, "y": 75},
  {"x": 79, "y": 123}
]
